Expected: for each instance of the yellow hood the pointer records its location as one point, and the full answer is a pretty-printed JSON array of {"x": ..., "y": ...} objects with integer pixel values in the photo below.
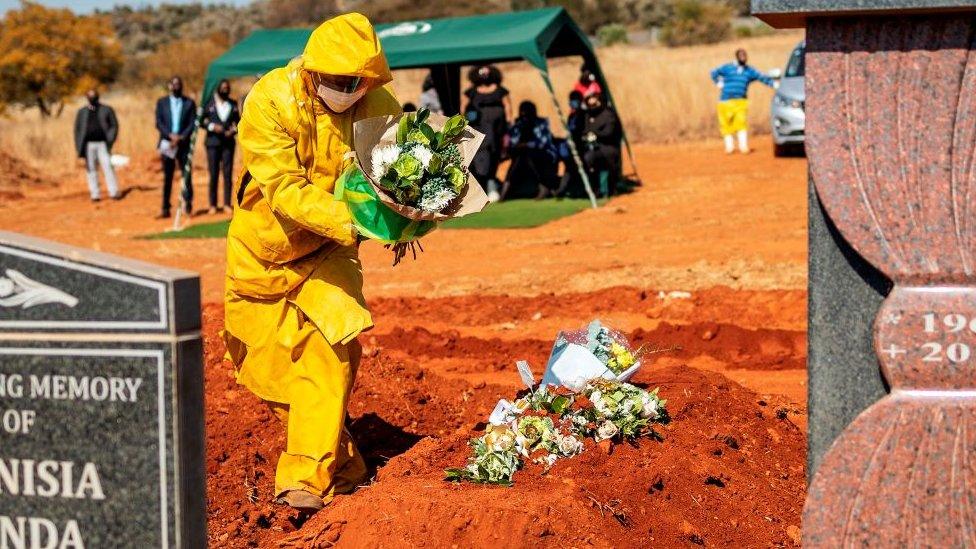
[{"x": 347, "y": 45}]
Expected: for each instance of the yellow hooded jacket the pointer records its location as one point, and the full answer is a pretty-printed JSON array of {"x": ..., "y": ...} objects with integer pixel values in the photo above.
[{"x": 290, "y": 240}]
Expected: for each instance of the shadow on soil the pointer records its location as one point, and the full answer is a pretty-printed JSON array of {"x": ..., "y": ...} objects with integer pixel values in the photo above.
[{"x": 379, "y": 440}]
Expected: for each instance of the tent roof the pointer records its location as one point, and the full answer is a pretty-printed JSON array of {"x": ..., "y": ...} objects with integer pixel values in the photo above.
[{"x": 530, "y": 35}]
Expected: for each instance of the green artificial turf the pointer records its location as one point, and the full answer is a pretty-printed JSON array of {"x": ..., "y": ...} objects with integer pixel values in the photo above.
[
  {"x": 216, "y": 229},
  {"x": 513, "y": 214},
  {"x": 519, "y": 214}
]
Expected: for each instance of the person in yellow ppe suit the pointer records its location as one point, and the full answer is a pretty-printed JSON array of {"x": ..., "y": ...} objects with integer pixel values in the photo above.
[{"x": 294, "y": 303}]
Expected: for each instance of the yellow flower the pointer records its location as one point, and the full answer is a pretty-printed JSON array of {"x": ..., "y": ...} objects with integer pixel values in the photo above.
[{"x": 622, "y": 356}]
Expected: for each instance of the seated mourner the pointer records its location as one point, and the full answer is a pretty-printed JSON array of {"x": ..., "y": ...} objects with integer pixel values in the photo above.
[
  {"x": 601, "y": 144},
  {"x": 571, "y": 184},
  {"x": 533, "y": 154}
]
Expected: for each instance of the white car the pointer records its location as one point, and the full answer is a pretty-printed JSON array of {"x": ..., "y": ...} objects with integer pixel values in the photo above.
[{"x": 788, "y": 117}]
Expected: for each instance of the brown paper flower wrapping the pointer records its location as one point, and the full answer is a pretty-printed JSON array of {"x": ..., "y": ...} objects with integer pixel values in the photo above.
[{"x": 378, "y": 131}]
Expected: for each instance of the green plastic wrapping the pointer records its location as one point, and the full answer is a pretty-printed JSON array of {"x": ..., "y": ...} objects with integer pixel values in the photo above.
[{"x": 372, "y": 218}]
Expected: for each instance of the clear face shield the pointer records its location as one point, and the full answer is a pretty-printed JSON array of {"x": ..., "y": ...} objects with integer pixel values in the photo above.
[{"x": 338, "y": 92}]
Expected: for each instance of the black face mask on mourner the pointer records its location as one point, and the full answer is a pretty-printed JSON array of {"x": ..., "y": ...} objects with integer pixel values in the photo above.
[{"x": 93, "y": 100}]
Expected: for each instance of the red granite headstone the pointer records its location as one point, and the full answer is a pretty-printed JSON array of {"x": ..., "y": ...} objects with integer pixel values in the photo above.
[{"x": 891, "y": 136}]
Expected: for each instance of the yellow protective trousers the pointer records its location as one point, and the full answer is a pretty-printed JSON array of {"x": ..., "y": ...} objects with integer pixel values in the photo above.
[
  {"x": 306, "y": 381},
  {"x": 733, "y": 116}
]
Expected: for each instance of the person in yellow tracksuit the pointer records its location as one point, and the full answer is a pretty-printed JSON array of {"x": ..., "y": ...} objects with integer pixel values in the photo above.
[{"x": 294, "y": 302}]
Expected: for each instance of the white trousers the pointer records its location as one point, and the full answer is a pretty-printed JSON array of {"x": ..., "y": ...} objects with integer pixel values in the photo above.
[{"x": 96, "y": 154}]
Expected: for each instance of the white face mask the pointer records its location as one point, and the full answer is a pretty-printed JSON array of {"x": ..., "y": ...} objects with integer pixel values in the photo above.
[{"x": 339, "y": 101}]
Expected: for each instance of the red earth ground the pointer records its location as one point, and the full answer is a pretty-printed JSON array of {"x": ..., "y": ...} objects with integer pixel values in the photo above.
[{"x": 708, "y": 256}]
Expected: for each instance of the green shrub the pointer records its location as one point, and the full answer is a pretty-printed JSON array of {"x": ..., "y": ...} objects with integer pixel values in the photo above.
[
  {"x": 752, "y": 31},
  {"x": 697, "y": 22},
  {"x": 611, "y": 34}
]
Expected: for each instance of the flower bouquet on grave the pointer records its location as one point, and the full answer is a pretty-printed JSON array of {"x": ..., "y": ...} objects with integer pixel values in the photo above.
[
  {"x": 552, "y": 423},
  {"x": 594, "y": 352},
  {"x": 411, "y": 173}
]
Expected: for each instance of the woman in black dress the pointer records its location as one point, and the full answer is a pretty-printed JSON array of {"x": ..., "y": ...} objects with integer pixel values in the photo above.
[{"x": 488, "y": 110}]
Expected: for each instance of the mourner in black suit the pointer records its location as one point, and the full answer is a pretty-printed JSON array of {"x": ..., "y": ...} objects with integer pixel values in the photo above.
[
  {"x": 95, "y": 131},
  {"x": 175, "y": 121},
  {"x": 220, "y": 118}
]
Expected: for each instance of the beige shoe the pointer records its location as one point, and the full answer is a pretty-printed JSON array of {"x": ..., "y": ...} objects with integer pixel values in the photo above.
[{"x": 301, "y": 500}]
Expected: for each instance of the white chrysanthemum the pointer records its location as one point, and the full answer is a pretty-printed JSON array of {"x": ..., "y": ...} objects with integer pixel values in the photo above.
[
  {"x": 423, "y": 154},
  {"x": 383, "y": 157},
  {"x": 437, "y": 201},
  {"x": 606, "y": 431}
]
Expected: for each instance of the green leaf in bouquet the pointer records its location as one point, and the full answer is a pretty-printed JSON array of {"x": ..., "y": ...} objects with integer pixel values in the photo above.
[
  {"x": 455, "y": 474},
  {"x": 408, "y": 167},
  {"x": 417, "y": 136},
  {"x": 422, "y": 115},
  {"x": 454, "y": 127},
  {"x": 559, "y": 404},
  {"x": 428, "y": 132},
  {"x": 456, "y": 177},
  {"x": 436, "y": 164},
  {"x": 403, "y": 128}
]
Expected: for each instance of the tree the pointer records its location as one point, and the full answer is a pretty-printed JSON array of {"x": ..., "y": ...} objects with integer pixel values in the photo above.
[
  {"x": 186, "y": 58},
  {"x": 47, "y": 54}
]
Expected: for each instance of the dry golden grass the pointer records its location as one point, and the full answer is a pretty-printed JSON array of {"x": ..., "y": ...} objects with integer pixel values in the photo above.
[
  {"x": 47, "y": 144},
  {"x": 662, "y": 94}
]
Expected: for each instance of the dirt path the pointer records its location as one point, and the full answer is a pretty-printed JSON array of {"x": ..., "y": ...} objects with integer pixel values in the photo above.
[{"x": 702, "y": 219}]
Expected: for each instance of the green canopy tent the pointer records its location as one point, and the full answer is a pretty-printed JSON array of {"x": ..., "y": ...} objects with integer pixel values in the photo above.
[{"x": 441, "y": 45}]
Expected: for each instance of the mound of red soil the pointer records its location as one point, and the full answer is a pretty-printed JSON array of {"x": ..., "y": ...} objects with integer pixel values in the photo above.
[
  {"x": 16, "y": 176},
  {"x": 729, "y": 472}
]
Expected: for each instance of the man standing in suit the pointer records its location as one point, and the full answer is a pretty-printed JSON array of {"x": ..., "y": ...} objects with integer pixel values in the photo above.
[
  {"x": 175, "y": 121},
  {"x": 95, "y": 131},
  {"x": 220, "y": 117}
]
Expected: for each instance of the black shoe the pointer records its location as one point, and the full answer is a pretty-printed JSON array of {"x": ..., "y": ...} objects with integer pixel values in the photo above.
[
  {"x": 163, "y": 215},
  {"x": 116, "y": 197},
  {"x": 96, "y": 200}
]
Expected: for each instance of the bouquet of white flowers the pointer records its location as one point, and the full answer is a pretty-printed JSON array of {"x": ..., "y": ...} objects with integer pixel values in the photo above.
[
  {"x": 411, "y": 172},
  {"x": 552, "y": 422}
]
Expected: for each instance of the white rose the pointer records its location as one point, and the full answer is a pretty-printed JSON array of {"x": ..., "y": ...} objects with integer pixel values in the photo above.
[
  {"x": 649, "y": 408},
  {"x": 570, "y": 445},
  {"x": 6, "y": 287},
  {"x": 606, "y": 431}
]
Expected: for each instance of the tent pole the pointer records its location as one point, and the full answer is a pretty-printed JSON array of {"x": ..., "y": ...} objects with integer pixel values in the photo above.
[
  {"x": 569, "y": 139},
  {"x": 187, "y": 174}
]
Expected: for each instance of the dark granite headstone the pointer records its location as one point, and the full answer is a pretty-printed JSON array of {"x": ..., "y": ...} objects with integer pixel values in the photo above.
[
  {"x": 844, "y": 296},
  {"x": 101, "y": 401}
]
